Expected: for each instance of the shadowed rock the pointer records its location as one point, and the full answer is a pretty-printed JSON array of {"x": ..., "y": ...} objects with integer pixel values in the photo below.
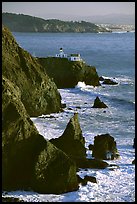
[
  {"x": 107, "y": 81},
  {"x": 99, "y": 104},
  {"x": 72, "y": 141},
  {"x": 105, "y": 147},
  {"x": 28, "y": 160},
  {"x": 67, "y": 74},
  {"x": 73, "y": 144},
  {"x": 86, "y": 179}
]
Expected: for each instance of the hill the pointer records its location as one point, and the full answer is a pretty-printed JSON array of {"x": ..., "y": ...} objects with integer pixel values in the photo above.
[{"x": 26, "y": 23}]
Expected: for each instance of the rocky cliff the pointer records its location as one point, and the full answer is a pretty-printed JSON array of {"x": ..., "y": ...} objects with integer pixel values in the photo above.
[
  {"x": 67, "y": 74},
  {"x": 39, "y": 93},
  {"x": 29, "y": 162}
]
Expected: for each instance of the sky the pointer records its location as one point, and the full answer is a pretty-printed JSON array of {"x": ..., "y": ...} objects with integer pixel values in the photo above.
[{"x": 64, "y": 10}]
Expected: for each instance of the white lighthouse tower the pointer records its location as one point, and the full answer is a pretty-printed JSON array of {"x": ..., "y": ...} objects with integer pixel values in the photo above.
[{"x": 61, "y": 54}]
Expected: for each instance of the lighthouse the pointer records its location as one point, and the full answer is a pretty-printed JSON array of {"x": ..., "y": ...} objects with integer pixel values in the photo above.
[
  {"x": 61, "y": 53},
  {"x": 71, "y": 57}
]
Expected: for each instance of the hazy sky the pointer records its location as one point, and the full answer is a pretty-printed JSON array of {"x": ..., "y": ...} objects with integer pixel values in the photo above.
[{"x": 67, "y": 9}]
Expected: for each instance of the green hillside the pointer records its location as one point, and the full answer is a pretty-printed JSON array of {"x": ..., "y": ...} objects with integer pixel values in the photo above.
[{"x": 26, "y": 23}]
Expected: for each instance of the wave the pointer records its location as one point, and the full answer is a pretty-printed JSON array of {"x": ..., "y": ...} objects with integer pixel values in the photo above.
[
  {"x": 108, "y": 93},
  {"x": 119, "y": 31}
]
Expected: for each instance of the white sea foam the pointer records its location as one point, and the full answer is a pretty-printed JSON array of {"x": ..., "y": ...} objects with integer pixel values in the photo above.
[{"x": 104, "y": 50}]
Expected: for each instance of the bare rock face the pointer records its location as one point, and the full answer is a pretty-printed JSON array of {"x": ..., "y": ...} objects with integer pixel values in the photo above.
[
  {"x": 99, "y": 104},
  {"x": 28, "y": 160},
  {"x": 105, "y": 147},
  {"x": 72, "y": 141},
  {"x": 39, "y": 93}
]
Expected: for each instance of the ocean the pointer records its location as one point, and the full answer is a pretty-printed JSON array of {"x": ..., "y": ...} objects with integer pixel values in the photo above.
[{"x": 113, "y": 55}]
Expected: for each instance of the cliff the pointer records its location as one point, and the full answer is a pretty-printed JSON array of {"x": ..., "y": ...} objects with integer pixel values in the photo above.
[
  {"x": 26, "y": 23},
  {"x": 39, "y": 93},
  {"x": 67, "y": 74},
  {"x": 28, "y": 160}
]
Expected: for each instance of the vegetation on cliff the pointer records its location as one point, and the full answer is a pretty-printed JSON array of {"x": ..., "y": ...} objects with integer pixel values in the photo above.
[
  {"x": 26, "y": 23},
  {"x": 67, "y": 74},
  {"x": 28, "y": 160},
  {"x": 39, "y": 93}
]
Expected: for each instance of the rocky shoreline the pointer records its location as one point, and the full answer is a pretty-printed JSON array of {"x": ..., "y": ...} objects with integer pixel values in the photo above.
[{"x": 30, "y": 162}]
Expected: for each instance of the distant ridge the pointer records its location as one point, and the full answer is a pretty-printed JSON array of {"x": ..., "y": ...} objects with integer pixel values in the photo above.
[{"x": 26, "y": 23}]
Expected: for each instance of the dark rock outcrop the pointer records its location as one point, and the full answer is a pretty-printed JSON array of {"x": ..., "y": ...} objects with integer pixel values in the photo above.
[
  {"x": 28, "y": 160},
  {"x": 39, "y": 93},
  {"x": 99, "y": 104},
  {"x": 72, "y": 141},
  {"x": 67, "y": 74},
  {"x": 86, "y": 179},
  {"x": 109, "y": 82},
  {"x": 73, "y": 144},
  {"x": 105, "y": 147},
  {"x": 91, "y": 146}
]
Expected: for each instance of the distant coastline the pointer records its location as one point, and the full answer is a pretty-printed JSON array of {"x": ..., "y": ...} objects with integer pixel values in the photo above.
[{"x": 26, "y": 23}]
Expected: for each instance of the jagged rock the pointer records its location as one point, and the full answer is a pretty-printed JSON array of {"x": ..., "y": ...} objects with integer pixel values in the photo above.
[
  {"x": 29, "y": 162},
  {"x": 109, "y": 82},
  {"x": 99, "y": 104},
  {"x": 72, "y": 141},
  {"x": 67, "y": 74},
  {"x": 39, "y": 93},
  {"x": 105, "y": 147}
]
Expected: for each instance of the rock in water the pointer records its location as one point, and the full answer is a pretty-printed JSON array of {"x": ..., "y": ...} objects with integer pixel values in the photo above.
[
  {"x": 28, "y": 160},
  {"x": 109, "y": 82},
  {"x": 72, "y": 141},
  {"x": 105, "y": 147},
  {"x": 99, "y": 104}
]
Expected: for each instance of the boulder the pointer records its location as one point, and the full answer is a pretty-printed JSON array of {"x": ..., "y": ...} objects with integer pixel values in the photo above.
[
  {"x": 109, "y": 82},
  {"x": 105, "y": 147},
  {"x": 84, "y": 181},
  {"x": 72, "y": 141},
  {"x": 29, "y": 162},
  {"x": 73, "y": 144},
  {"x": 67, "y": 74},
  {"x": 99, "y": 104},
  {"x": 39, "y": 93}
]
